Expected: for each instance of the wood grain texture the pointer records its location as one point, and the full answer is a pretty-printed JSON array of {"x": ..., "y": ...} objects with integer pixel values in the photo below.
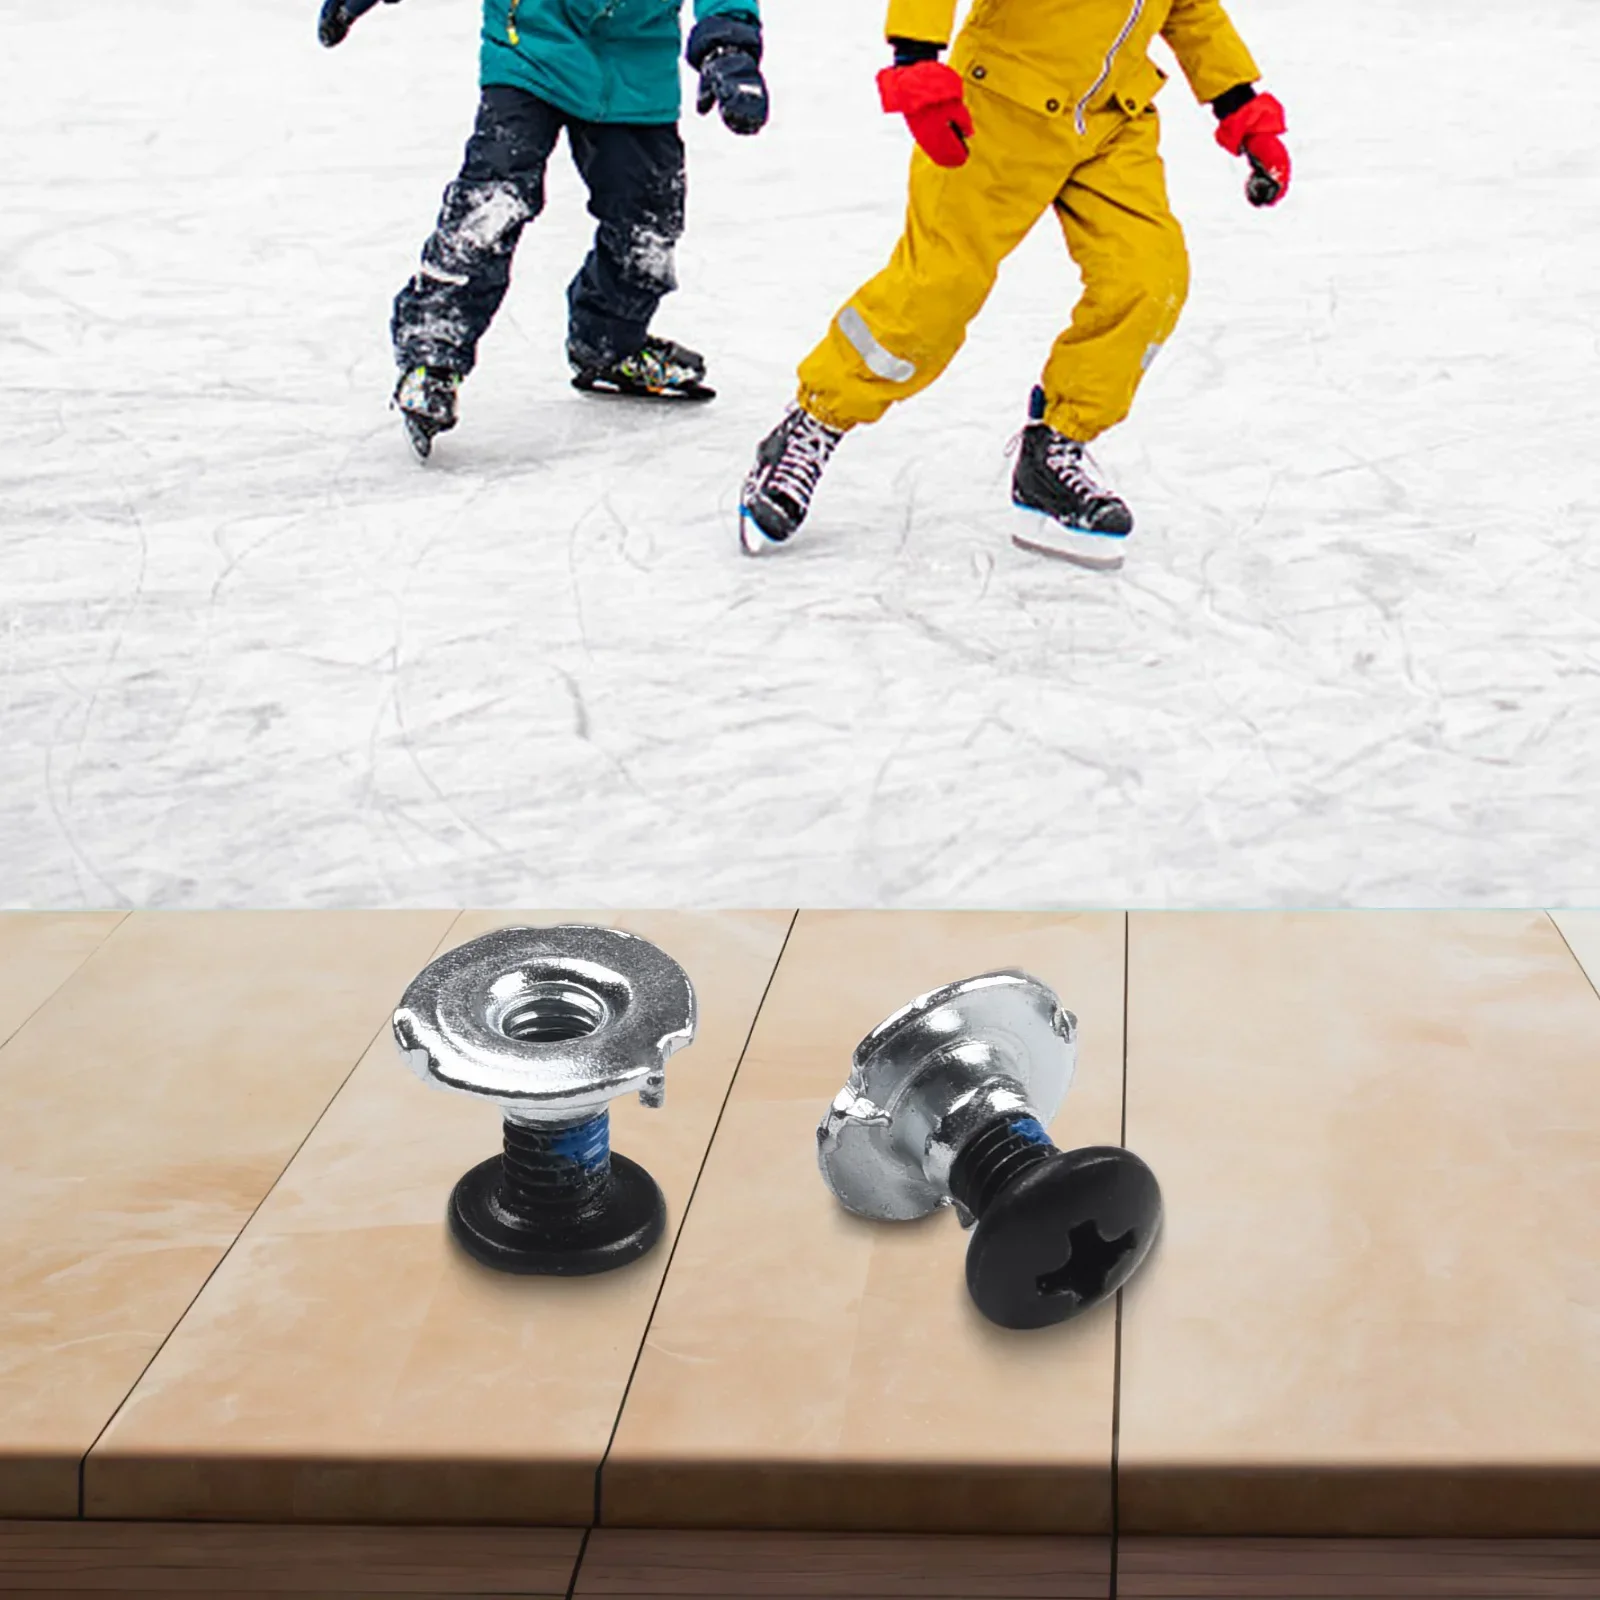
[
  {"x": 39, "y": 951},
  {"x": 350, "y": 1364},
  {"x": 1375, "y": 1308},
  {"x": 1340, "y": 1569},
  {"x": 61, "y": 1558},
  {"x": 146, "y": 1108},
  {"x": 807, "y": 1369},
  {"x": 840, "y": 1566}
]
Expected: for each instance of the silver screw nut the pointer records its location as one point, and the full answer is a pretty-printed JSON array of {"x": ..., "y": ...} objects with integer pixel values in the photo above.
[
  {"x": 549, "y": 1024},
  {"x": 929, "y": 1076}
]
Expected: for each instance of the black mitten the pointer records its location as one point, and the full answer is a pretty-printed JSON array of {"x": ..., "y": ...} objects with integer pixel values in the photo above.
[
  {"x": 338, "y": 15},
  {"x": 726, "y": 52}
]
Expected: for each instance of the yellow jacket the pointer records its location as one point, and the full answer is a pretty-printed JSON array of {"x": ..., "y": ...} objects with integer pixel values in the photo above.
[{"x": 1067, "y": 57}]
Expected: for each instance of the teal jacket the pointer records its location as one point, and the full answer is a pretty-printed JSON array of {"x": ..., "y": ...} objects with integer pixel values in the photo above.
[{"x": 599, "y": 60}]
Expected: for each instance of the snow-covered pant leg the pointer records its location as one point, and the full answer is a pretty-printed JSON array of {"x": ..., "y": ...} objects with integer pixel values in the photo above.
[
  {"x": 446, "y": 308},
  {"x": 635, "y": 177},
  {"x": 1129, "y": 248}
]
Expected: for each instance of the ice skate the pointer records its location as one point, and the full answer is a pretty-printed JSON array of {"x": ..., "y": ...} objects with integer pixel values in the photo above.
[
  {"x": 658, "y": 370},
  {"x": 777, "y": 494},
  {"x": 1062, "y": 507},
  {"x": 425, "y": 397}
]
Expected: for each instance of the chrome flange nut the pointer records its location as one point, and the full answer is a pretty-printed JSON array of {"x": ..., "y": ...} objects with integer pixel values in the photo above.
[
  {"x": 551, "y": 1024},
  {"x": 946, "y": 1104},
  {"x": 939, "y": 1068},
  {"x": 548, "y": 1020}
]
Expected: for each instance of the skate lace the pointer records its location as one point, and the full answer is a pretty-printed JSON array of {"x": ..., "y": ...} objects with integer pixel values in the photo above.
[
  {"x": 798, "y": 470},
  {"x": 427, "y": 392},
  {"x": 1074, "y": 466},
  {"x": 647, "y": 366},
  {"x": 661, "y": 362}
]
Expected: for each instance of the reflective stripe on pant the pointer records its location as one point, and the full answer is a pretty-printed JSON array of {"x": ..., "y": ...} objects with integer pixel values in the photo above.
[{"x": 1109, "y": 193}]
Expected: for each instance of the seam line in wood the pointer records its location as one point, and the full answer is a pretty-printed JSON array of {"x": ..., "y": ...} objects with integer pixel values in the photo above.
[
  {"x": 83, "y": 1460},
  {"x": 583, "y": 1550},
  {"x": 683, "y": 1222},
  {"x": 1561, "y": 934},
  {"x": 1116, "y": 1338},
  {"x": 89, "y": 956}
]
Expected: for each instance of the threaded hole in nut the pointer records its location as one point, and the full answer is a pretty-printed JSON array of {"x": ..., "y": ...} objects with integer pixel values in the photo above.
[{"x": 550, "y": 1013}]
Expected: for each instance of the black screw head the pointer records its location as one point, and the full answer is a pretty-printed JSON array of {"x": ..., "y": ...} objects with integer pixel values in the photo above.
[
  {"x": 1065, "y": 1235},
  {"x": 622, "y": 1224}
]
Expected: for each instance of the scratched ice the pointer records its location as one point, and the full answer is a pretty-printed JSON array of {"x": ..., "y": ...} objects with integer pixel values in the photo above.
[{"x": 251, "y": 653}]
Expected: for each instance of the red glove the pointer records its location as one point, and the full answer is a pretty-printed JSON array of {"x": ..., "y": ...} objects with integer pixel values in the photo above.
[
  {"x": 928, "y": 95},
  {"x": 1253, "y": 131}
]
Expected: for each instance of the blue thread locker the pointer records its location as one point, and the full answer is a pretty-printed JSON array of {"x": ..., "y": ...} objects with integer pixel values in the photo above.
[{"x": 561, "y": 1167}]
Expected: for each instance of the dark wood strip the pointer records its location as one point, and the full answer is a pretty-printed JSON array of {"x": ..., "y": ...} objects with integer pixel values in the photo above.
[
  {"x": 1340, "y": 1569},
  {"x": 300, "y": 1594},
  {"x": 240, "y": 1558},
  {"x": 641, "y": 1563}
]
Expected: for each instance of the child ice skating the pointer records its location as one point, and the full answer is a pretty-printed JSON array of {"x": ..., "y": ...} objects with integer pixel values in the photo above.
[
  {"x": 1044, "y": 104},
  {"x": 606, "y": 71}
]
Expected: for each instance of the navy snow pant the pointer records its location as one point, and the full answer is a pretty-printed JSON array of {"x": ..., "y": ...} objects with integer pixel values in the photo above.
[{"x": 635, "y": 178}]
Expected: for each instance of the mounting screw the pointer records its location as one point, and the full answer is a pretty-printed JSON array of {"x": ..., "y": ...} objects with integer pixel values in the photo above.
[
  {"x": 551, "y": 1025},
  {"x": 946, "y": 1104}
]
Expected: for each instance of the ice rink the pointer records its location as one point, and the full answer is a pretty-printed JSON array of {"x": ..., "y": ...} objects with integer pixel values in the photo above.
[{"x": 252, "y": 654}]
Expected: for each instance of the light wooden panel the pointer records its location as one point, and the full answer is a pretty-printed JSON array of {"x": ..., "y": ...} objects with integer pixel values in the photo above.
[
  {"x": 1581, "y": 930},
  {"x": 145, "y": 1110},
  {"x": 350, "y": 1364},
  {"x": 807, "y": 1369},
  {"x": 1339, "y": 1569},
  {"x": 39, "y": 951},
  {"x": 64, "y": 1558},
  {"x": 645, "y": 1564},
  {"x": 1376, "y": 1307}
]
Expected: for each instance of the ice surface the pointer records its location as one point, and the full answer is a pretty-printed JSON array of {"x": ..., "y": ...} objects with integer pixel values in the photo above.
[{"x": 251, "y": 653}]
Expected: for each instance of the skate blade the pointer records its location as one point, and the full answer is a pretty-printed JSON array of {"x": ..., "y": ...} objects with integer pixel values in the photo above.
[
  {"x": 612, "y": 389},
  {"x": 1043, "y": 535},
  {"x": 419, "y": 437},
  {"x": 754, "y": 540}
]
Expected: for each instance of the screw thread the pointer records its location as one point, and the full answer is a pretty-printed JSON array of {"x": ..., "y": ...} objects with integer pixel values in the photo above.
[
  {"x": 994, "y": 1157},
  {"x": 556, "y": 1168}
]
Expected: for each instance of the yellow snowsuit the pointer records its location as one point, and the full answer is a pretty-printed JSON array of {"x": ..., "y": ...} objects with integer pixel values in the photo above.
[{"x": 1061, "y": 96}]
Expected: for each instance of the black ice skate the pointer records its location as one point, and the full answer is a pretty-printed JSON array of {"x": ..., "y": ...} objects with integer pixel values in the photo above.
[
  {"x": 1064, "y": 510},
  {"x": 777, "y": 494},
  {"x": 658, "y": 370},
  {"x": 425, "y": 397}
]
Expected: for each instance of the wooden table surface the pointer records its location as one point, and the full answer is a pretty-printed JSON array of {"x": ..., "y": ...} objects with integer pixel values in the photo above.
[{"x": 228, "y": 1298}]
